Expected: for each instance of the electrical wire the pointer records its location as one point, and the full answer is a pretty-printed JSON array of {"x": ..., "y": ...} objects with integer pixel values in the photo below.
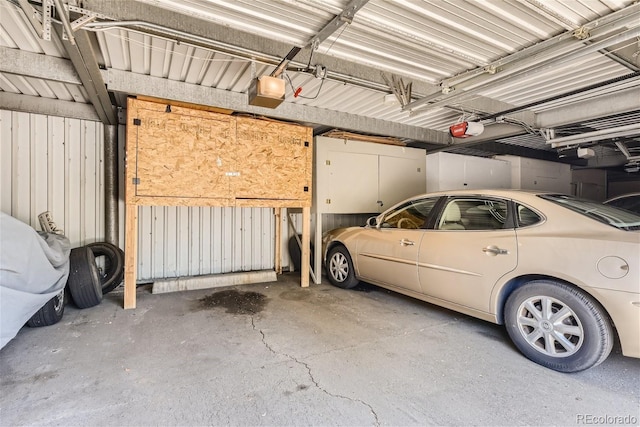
[{"x": 293, "y": 89}]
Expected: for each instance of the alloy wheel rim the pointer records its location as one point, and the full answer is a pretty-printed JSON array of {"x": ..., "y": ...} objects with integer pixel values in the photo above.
[
  {"x": 339, "y": 267},
  {"x": 58, "y": 302},
  {"x": 550, "y": 326}
]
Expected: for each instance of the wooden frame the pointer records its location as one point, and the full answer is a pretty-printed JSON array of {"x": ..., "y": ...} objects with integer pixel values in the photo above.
[{"x": 182, "y": 156}]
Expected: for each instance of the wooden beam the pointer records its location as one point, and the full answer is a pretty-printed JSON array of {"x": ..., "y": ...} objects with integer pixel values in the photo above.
[{"x": 130, "y": 255}]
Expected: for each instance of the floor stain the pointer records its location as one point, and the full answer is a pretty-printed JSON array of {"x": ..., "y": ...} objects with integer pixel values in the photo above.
[
  {"x": 295, "y": 295},
  {"x": 235, "y": 302}
]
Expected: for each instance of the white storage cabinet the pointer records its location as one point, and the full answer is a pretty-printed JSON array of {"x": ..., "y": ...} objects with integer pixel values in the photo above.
[
  {"x": 534, "y": 174},
  {"x": 446, "y": 171}
]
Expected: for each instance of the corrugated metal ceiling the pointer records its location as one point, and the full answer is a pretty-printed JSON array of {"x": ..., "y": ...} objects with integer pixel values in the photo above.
[{"x": 432, "y": 43}]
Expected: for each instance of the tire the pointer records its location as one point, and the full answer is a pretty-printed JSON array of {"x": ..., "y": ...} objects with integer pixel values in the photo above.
[
  {"x": 84, "y": 281},
  {"x": 113, "y": 272},
  {"x": 340, "y": 268},
  {"x": 295, "y": 253},
  {"x": 50, "y": 313},
  {"x": 578, "y": 338}
]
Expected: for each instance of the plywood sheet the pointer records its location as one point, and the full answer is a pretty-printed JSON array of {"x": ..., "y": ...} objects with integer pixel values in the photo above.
[
  {"x": 184, "y": 155},
  {"x": 274, "y": 160}
]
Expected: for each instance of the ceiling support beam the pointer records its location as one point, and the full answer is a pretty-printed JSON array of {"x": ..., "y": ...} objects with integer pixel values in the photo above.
[
  {"x": 486, "y": 106},
  {"x": 620, "y": 102},
  {"x": 85, "y": 63},
  {"x": 138, "y": 84},
  {"x": 48, "y": 107},
  {"x": 21, "y": 62},
  {"x": 344, "y": 17}
]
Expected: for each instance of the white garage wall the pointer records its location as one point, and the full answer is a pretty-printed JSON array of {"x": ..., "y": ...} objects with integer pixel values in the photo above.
[{"x": 56, "y": 164}]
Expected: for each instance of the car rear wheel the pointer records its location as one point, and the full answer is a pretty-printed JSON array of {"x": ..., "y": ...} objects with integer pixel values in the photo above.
[
  {"x": 50, "y": 313},
  {"x": 340, "y": 268},
  {"x": 558, "y": 326}
]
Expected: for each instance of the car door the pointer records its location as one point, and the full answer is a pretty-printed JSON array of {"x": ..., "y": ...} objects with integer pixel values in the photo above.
[
  {"x": 388, "y": 253},
  {"x": 472, "y": 245}
]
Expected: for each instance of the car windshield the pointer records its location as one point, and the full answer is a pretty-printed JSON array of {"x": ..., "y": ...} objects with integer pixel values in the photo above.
[{"x": 619, "y": 218}]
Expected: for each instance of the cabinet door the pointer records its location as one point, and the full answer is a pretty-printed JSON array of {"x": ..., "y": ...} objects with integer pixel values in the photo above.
[
  {"x": 486, "y": 173},
  {"x": 274, "y": 160},
  {"x": 352, "y": 183},
  {"x": 452, "y": 172},
  {"x": 399, "y": 179},
  {"x": 180, "y": 155}
]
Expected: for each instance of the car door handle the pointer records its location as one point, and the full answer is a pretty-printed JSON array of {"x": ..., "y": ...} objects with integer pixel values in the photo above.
[
  {"x": 405, "y": 242},
  {"x": 494, "y": 250}
]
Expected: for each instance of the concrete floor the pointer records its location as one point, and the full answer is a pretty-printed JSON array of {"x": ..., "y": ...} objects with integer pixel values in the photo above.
[{"x": 278, "y": 354}]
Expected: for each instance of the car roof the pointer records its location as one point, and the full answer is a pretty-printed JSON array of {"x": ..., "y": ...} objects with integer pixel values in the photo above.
[{"x": 505, "y": 193}]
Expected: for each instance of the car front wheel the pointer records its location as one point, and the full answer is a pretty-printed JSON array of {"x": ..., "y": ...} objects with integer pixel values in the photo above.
[
  {"x": 558, "y": 326},
  {"x": 340, "y": 268}
]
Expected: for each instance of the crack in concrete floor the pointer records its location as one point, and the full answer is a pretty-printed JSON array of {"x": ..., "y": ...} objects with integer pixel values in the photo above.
[{"x": 311, "y": 377}]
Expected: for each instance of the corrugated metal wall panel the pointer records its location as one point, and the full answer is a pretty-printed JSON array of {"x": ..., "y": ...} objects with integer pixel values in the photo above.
[
  {"x": 192, "y": 241},
  {"x": 55, "y": 164}
]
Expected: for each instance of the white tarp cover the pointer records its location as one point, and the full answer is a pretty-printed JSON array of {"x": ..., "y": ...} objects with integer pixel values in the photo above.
[{"x": 33, "y": 269}]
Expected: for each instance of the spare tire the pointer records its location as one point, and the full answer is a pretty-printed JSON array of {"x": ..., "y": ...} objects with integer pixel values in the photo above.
[
  {"x": 84, "y": 281},
  {"x": 50, "y": 313},
  {"x": 112, "y": 274},
  {"x": 295, "y": 253}
]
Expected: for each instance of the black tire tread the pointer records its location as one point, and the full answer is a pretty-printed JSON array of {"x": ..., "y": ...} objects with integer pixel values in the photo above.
[
  {"x": 47, "y": 315},
  {"x": 84, "y": 282},
  {"x": 114, "y": 272}
]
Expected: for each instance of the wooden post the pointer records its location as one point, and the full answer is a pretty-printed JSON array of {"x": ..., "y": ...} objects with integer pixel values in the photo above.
[
  {"x": 278, "y": 242},
  {"x": 306, "y": 247},
  {"x": 130, "y": 255}
]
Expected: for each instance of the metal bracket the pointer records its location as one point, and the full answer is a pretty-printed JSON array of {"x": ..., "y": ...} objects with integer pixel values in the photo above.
[
  {"x": 36, "y": 19},
  {"x": 87, "y": 17},
  {"x": 47, "y": 9},
  {"x": 582, "y": 33}
]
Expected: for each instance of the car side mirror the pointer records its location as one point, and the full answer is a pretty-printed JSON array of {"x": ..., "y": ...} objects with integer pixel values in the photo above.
[{"x": 372, "y": 222}]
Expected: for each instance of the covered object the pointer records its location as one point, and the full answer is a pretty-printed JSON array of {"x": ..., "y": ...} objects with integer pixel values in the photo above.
[{"x": 33, "y": 269}]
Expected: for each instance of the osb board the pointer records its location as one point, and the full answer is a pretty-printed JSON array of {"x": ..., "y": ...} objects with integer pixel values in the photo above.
[
  {"x": 180, "y": 156},
  {"x": 274, "y": 160},
  {"x": 182, "y": 153}
]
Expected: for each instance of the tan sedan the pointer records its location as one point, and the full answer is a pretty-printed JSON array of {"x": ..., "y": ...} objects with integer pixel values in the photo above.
[{"x": 562, "y": 274}]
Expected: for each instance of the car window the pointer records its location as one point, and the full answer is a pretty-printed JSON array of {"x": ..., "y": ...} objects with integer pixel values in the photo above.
[
  {"x": 610, "y": 215},
  {"x": 630, "y": 203},
  {"x": 411, "y": 215},
  {"x": 473, "y": 214},
  {"x": 526, "y": 216}
]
